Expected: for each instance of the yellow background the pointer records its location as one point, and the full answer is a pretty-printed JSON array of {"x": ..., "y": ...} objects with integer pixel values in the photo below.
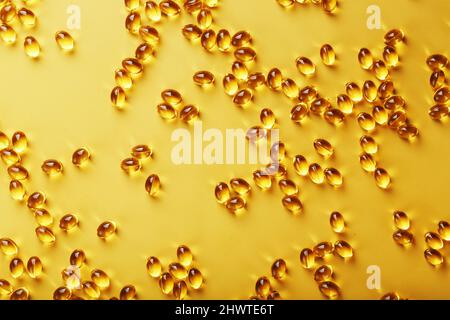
[{"x": 62, "y": 102}]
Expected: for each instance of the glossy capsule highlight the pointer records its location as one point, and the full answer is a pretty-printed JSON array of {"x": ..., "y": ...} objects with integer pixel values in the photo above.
[
  {"x": 323, "y": 147},
  {"x": 337, "y": 222},
  {"x": 279, "y": 269},
  {"x": 52, "y": 167},
  {"x": 154, "y": 267},
  {"x": 8, "y": 247},
  {"x": 153, "y": 185},
  {"x": 203, "y": 78},
  {"x": 401, "y": 220},
  {"x": 80, "y": 157},
  {"x": 328, "y": 55},
  {"x": 106, "y": 229},
  {"x": 195, "y": 278},
  {"x": 305, "y": 66},
  {"x": 65, "y": 41}
]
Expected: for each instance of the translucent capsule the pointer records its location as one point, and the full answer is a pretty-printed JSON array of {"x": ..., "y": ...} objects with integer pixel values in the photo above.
[
  {"x": 20, "y": 294},
  {"x": 71, "y": 278},
  {"x": 152, "y": 11},
  {"x": 100, "y": 278},
  {"x": 153, "y": 185},
  {"x": 301, "y": 165},
  {"x": 370, "y": 91},
  {"x": 141, "y": 151},
  {"x": 192, "y": 32},
  {"x": 149, "y": 34},
  {"x": 401, "y": 220},
  {"x": 366, "y": 121},
  {"x": 208, "y": 39},
  {"x": 433, "y": 257},
  {"x": 130, "y": 165},
  {"x": 52, "y": 167},
  {"x": 144, "y": 52},
  {"x": 189, "y": 113},
  {"x": 323, "y": 249},
  {"x": 77, "y": 258},
  {"x": 180, "y": 290},
  {"x": 223, "y": 40},
  {"x": 166, "y": 283},
  {"x": 8, "y": 12},
  {"x": 17, "y": 172},
  {"x": 68, "y": 222},
  {"x": 442, "y": 95},
  {"x": 407, "y": 131},
  {"x": 64, "y": 40},
  {"x": 203, "y": 78},
  {"x": 288, "y": 187},
  {"x": 255, "y": 134},
  {"x": 276, "y": 170},
  {"x": 437, "y": 62},
  {"x": 307, "y": 94},
  {"x": 285, "y": 3},
  {"x": 243, "y": 97},
  {"x": 230, "y": 84},
  {"x": 386, "y": 89},
  {"x": 8, "y": 247},
  {"x": 278, "y": 151},
  {"x": 274, "y": 295},
  {"x": 91, "y": 289},
  {"x": 343, "y": 249},
  {"x": 274, "y": 79},
  {"x": 323, "y": 147},
  {"x": 394, "y": 103},
  {"x": 433, "y": 240},
  {"x": 380, "y": 115},
  {"x": 333, "y": 177},
  {"x": 437, "y": 79},
  {"x": 16, "y": 267},
  {"x": 5, "y": 287},
  {"x": 245, "y": 54},
  {"x": 367, "y": 162},
  {"x": 328, "y": 55},
  {"x": 263, "y": 287},
  {"x": 393, "y": 37},
  {"x": 195, "y": 278},
  {"x": 45, "y": 235},
  {"x": 204, "y": 18},
  {"x": 10, "y": 157},
  {"x": 235, "y": 204},
  {"x": 403, "y": 238},
  {"x": 132, "y": 5},
  {"x": 337, "y": 222},
  {"x": 390, "y": 56},
  {"x": 316, "y": 173},
  {"x": 19, "y": 142},
  {"x": 222, "y": 192},
  {"x": 329, "y": 289},
  {"x": 354, "y": 92},
  {"x": 184, "y": 255},
  {"x": 438, "y": 112},
  {"x": 307, "y": 258},
  {"x": 382, "y": 178},
  {"x": 34, "y": 267},
  {"x": 118, "y": 97},
  {"x": 279, "y": 269},
  {"x": 319, "y": 106},
  {"x": 262, "y": 179},
  {"x": 329, "y": 5},
  {"x": 267, "y": 118},
  {"x": 192, "y": 6},
  {"x": 380, "y": 70},
  {"x": 292, "y": 203},
  {"x": 7, "y": 34},
  {"x": 133, "y": 22},
  {"x": 299, "y": 112},
  {"x": 344, "y": 103},
  {"x": 36, "y": 200},
  {"x": 241, "y": 39},
  {"x": 172, "y": 97},
  {"x": 170, "y": 8},
  {"x": 444, "y": 230},
  {"x": 368, "y": 144},
  {"x": 323, "y": 273},
  {"x": 166, "y": 111},
  {"x": 397, "y": 119},
  {"x": 154, "y": 267},
  {"x": 106, "y": 229},
  {"x": 334, "y": 116},
  {"x": 4, "y": 141},
  {"x": 240, "y": 186},
  {"x": 290, "y": 88},
  {"x": 62, "y": 293},
  {"x": 132, "y": 65},
  {"x": 390, "y": 296},
  {"x": 305, "y": 66},
  {"x": 42, "y": 217},
  {"x": 365, "y": 58}
]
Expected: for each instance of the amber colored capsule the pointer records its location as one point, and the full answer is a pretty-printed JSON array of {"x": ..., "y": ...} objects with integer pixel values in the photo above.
[
  {"x": 144, "y": 52},
  {"x": 130, "y": 165},
  {"x": 368, "y": 144},
  {"x": 365, "y": 58},
  {"x": 437, "y": 62},
  {"x": 442, "y": 95},
  {"x": 316, "y": 173},
  {"x": 276, "y": 170},
  {"x": 329, "y": 289},
  {"x": 192, "y": 6},
  {"x": 166, "y": 283},
  {"x": 386, "y": 89},
  {"x": 8, "y": 12},
  {"x": 245, "y": 54},
  {"x": 279, "y": 269},
  {"x": 189, "y": 113},
  {"x": 17, "y": 190},
  {"x": 380, "y": 70},
  {"x": 290, "y": 88},
  {"x": 274, "y": 79},
  {"x": 267, "y": 118},
  {"x": 170, "y": 8},
  {"x": 255, "y": 134},
  {"x": 203, "y": 78},
  {"x": 263, "y": 287},
  {"x": 367, "y": 162},
  {"x": 241, "y": 39},
  {"x": 288, "y": 187},
  {"x": 393, "y": 37},
  {"x": 439, "y": 112},
  {"x": 64, "y": 41},
  {"x": 262, "y": 179},
  {"x": 204, "y": 18},
  {"x": 152, "y": 11},
  {"x": 118, "y": 97},
  {"x": 5, "y": 287},
  {"x": 4, "y": 141},
  {"x": 223, "y": 40},
  {"x": 390, "y": 296},
  {"x": 307, "y": 94},
  {"x": 7, "y": 34},
  {"x": 397, "y": 119},
  {"x": 344, "y": 103},
  {"x": 208, "y": 39},
  {"x": 106, "y": 229},
  {"x": 32, "y": 47},
  {"x": 343, "y": 249},
  {"x": 407, "y": 131},
  {"x": 149, "y": 34},
  {"x": 319, "y": 106},
  {"x": 243, "y": 97},
  {"x": 354, "y": 92},
  {"x": 178, "y": 271},
  {"x": 382, "y": 178},
  {"x": 154, "y": 267},
  {"x": 52, "y": 167},
  {"x": 434, "y": 241},
  {"x": 77, "y": 258},
  {"x": 132, "y": 65},
  {"x": 394, "y": 103},
  {"x": 323, "y": 273},
  {"x": 132, "y": 5},
  {"x": 323, "y": 249},
  {"x": 334, "y": 177},
  {"x": 444, "y": 230},
  {"x": 305, "y": 66},
  {"x": 403, "y": 238},
  {"x": 180, "y": 290},
  {"x": 26, "y": 17},
  {"x": 36, "y": 200},
  {"x": 222, "y": 192},
  {"x": 195, "y": 278},
  {"x": 133, "y": 22},
  {"x": 328, "y": 55},
  {"x": 307, "y": 258},
  {"x": 172, "y": 97},
  {"x": 8, "y": 247},
  {"x": 437, "y": 79},
  {"x": 80, "y": 157},
  {"x": 230, "y": 84},
  {"x": 292, "y": 203},
  {"x": 184, "y": 255},
  {"x": 19, "y": 142},
  {"x": 433, "y": 257},
  {"x": 153, "y": 185},
  {"x": 235, "y": 204},
  {"x": 323, "y": 147},
  {"x": 299, "y": 112},
  {"x": 20, "y": 294},
  {"x": 301, "y": 165},
  {"x": 45, "y": 235},
  {"x": 401, "y": 220},
  {"x": 91, "y": 289},
  {"x": 239, "y": 70},
  {"x": 285, "y": 3},
  {"x": 100, "y": 278},
  {"x": 240, "y": 186},
  {"x": 62, "y": 293},
  {"x": 68, "y": 222},
  {"x": 337, "y": 222},
  {"x": 34, "y": 267},
  {"x": 193, "y": 32},
  {"x": 390, "y": 56},
  {"x": 370, "y": 91},
  {"x": 42, "y": 217},
  {"x": 141, "y": 151},
  {"x": 17, "y": 172},
  {"x": 329, "y": 5},
  {"x": 334, "y": 116},
  {"x": 166, "y": 111},
  {"x": 278, "y": 152},
  {"x": 71, "y": 278},
  {"x": 380, "y": 115},
  {"x": 366, "y": 121}
]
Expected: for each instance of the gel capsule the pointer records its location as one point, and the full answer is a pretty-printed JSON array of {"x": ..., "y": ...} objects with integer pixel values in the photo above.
[
  {"x": 437, "y": 62},
  {"x": 184, "y": 255},
  {"x": 366, "y": 121},
  {"x": 36, "y": 200},
  {"x": 290, "y": 88},
  {"x": 193, "y": 32},
  {"x": 16, "y": 267},
  {"x": 8, "y": 247},
  {"x": 192, "y": 6},
  {"x": 323, "y": 273},
  {"x": 337, "y": 222},
  {"x": 442, "y": 95},
  {"x": 203, "y": 78},
  {"x": 393, "y": 37},
  {"x": 132, "y": 5},
  {"x": 334, "y": 177},
  {"x": 365, "y": 59},
  {"x": 323, "y": 147},
  {"x": 7, "y": 34},
  {"x": 17, "y": 190},
  {"x": 20, "y": 294},
  {"x": 68, "y": 222},
  {"x": 274, "y": 79},
  {"x": 91, "y": 289},
  {"x": 223, "y": 40},
  {"x": 152, "y": 11},
  {"x": 354, "y": 92},
  {"x": 288, "y": 187},
  {"x": 293, "y": 204},
  {"x": 42, "y": 217},
  {"x": 130, "y": 165},
  {"x": 316, "y": 173},
  {"x": 80, "y": 157},
  {"x": 397, "y": 119},
  {"x": 204, "y": 18},
  {"x": 438, "y": 112},
  {"x": 368, "y": 144},
  {"x": 370, "y": 91},
  {"x": 403, "y": 238},
  {"x": 118, "y": 97},
  {"x": 263, "y": 287},
  {"x": 62, "y": 293},
  {"x": 444, "y": 230},
  {"x": 434, "y": 241},
  {"x": 172, "y": 97},
  {"x": 189, "y": 113},
  {"x": 195, "y": 278},
  {"x": 437, "y": 79},
  {"x": 241, "y": 39},
  {"x": 243, "y": 97},
  {"x": 345, "y": 104},
  {"x": 235, "y": 204},
  {"x": 386, "y": 89},
  {"x": 100, "y": 278},
  {"x": 382, "y": 178},
  {"x": 64, "y": 40},
  {"x": 170, "y": 8},
  {"x": 307, "y": 258},
  {"x": 230, "y": 84},
  {"x": 17, "y": 172},
  {"x": 380, "y": 70},
  {"x": 106, "y": 229},
  {"x": 141, "y": 151},
  {"x": 307, "y": 94},
  {"x": 390, "y": 56},
  {"x": 343, "y": 249},
  {"x": 323, "y": 249},
  {"x": 394, "y": 103},
  {"x": 8, "y": 12},
  {"x": 334, "y": 116},
  {"x": 319, "y": 106},
  {"x": 166, "y": 283},
  {"x": 222, "y": 192},
  {"x": 301, "y": 165},
  {"x": 154, "y": 267},
  {"x": 329, "y": 289},
  {"x": 77, "y": 258},
  {"x": 144, "y": 52},
  {"x": 245, "y": 54},
  {"x": 149, "y": 34},
  {"x": 262, "y": 179},
  {"x": 34, "y": 267},
  {"x": 328, "y": 55},
  {"x": 279, "y": 269},
  {"x": 240, "y": 186},
  {"x": 380, "y": 115},
  {"x": 407, "y": 131},
  {"x": 267, "y": 118},
  {"x": 208, "y": 39},
  {"x": 19, "y": 142},
  {"x": 153, "y": 185},
  {"x": 45, "y": 235},
  {"x": 180, "y": 290},
  {"x": 133, "y": 22},
  {"x": 5, "y": 287},
  {"x": 166, "y": 111},
  {"x": 299, "y": 112},
  {"x": 305, "y": 66},
  {"x": 32, "y": 47},
  {"x": 52, "y": 167},
  {"x": 433, "y": 257},
  {"x": 132, "y": 65},
  {"x": 401, "y": 220}
]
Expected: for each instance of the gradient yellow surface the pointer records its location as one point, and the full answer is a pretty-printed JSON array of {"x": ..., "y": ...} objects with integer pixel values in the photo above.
[{"x": 62, "y": 103}]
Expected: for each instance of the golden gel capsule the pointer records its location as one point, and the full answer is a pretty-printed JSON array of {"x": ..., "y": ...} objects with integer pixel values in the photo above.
[
  {"x": 433, "y": 257},
  {"x": 172, "y": 97},
  {"x": 230, "y": 84},
  {"x": 276, "y": 170},
  {"x": 380, "y": 70},
  {"x": 223, "y": 40},
  {"x": 301, "y": 165},
  {"x": 316, "y": 173},
  {"x": 245, "y": 54},
  {"x": 10, "y": 157},
  {"x": 397, "y": 119},
  {"x": 222, "y": 192},
  {"x": 166, "y": 111},
  {"x": 77, "y": 258},
  {"x": 208, "y": 39},
  {"x": 403, "y": 238},
  {"x": 437, "y": 79},
  {"x": 20, "y": 294},
  {"x": 141, "y": 151},
  {"x": 285, "y": 3},
  {"x": 382, "y": 178},
  {"x": 170, "y": 8},
  {"x": 4, "y": 141},
  {"x": 166, "y": 283},
  {"x": 380, "y": 115},
  {"x": 149, "y": 34},
  {"x": 370, "y": 91},
  {"x": 293, "y": 204},
  {"x": 62, "y": 293},
  {"x": 64, "y": 40},
  {"x": 401, "y": 220},
  {"x": 328, "y": 55},
  {"x": 263, "y": 287},
  {"x": 386, "y": 89},
  {"x": 17, "y": 172},
  {"x": 195, "y": 278},
  {"x": 80, "y": 157},
  {"x": 243, "y": 97},
  {"x": 91, "y": 289},
  {"x": 334, "y": 116},
  {"x": 154, "y": 267},
  {"x": 394, "y": 103},
  {"x": 367, "y": 162},
  {"x": 365, "y": 58},
  {"x": 390, "y": 296},
  {"x": 393, "y": 37},
  {"x": 434, "y": 241},
  {"x": 319, "y": 106},
  {"x": 132, "y": 65},
  {"x": 42, "y": 217},
  {"x": 307, "y": 94},
  {"x": 7, "y": 34},
  {"x": 337, "y": 222},
  {"x": 106, "y": 229},
  {"x": 184, "y": 255},
  {"x": 279, "y": 269},
  {"x": 133, "y": 22},
  {"x": 180, "y": 290},
  {"x": 19, "y": 142},
  {"x": 290, "y": 88},
  {"x": 193, "y": 32},
  {"x": 262, "y": 179},
  {"x": 241, "y": 39},
  {"x": 71, "y": 278},
  {"x": 36, "y": 200},
  {"x": 323, "y": 147},
  {"x": 390, "y": 56},
  {"x": 437, "y": 62},
  {"x": 130, "y": 165},
  {"x": 235, "y": 204},
  {"x": 153, "y": 185},
  {"x": 307, "y": 258},
  {"x": 8, "y": 12},
  {"x": 278, "y": 151},
  {"x": 368, "y": 144},
  {"x": 366, "y": 121},
  {"x": 323, "y": 273},
  {"x": 323, "y": 249},
  {"x": 34, "y": 267},
  {"x": 132, "y": 5},
  {"x": 189, "y": 113},
  {"x": 273, "y": 295},
  {"x": 68, "y": 222},
  {"x": 17, "y": 190},
  {"x": 288, "y": 187},
  {"x": 45, "y": 235},
  {"x": 152, "y": 11},
  {"x": 442, "y": 95},
  {"x": 274, "y": 79},
  {"x": 354, "y": 92},
  {"x": 407, "y": 131},
  {"x": 203, "y": 78},
  {"x": 52, "y": 167},
  {"x": 118, "y": 97},
  {"x": 329, "y": 289},
  {"x": 255, "y": 134},
  {"x": 192, "y": 6},
  {"x": 5, "y": 287},
  {"x": 240, "y": 186},
  {"x": 100, "y": 278},
  {"x": 267, "y": 118},
  {"x": 8, "y": 247},
  {"x": 144, "y": 52},
  {"x": 334, "y": 177},
  {"x": 343, "y": 249},
  {"x": 204, "y": 18},
  {"x": 329, "y": 5},
  {"x": 444, "y": 230},
  {"x": 299, "y": 112},
  {"x": 305, "y": 66},
  {"x": 344, "y": 103}
]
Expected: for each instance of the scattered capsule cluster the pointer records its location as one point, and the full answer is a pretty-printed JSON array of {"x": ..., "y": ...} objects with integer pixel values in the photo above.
[
  {"x": 369, "y": 164},
  {"x": 173, "y": 107},
  {"x": 264, "y": 289},
  {"x": 436, "y": 242},
  {"x": 233, "y": 196},
  {"x": 438, "y": 64},
  {"x": 329, "y": 6}
]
